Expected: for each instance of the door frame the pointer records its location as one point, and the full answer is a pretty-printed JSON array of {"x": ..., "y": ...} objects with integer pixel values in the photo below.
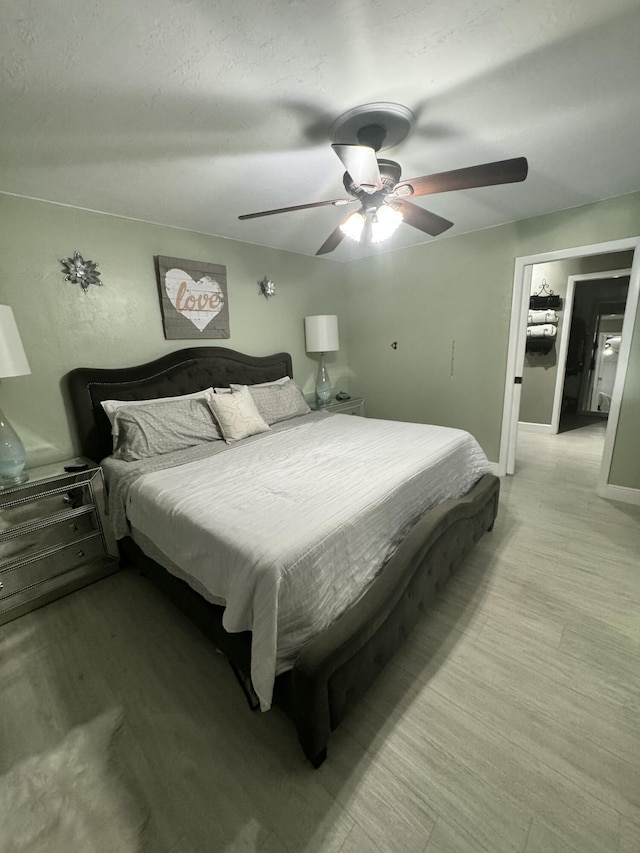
[
  {"x": 517, "y": 341},
  {"x": 565, "y": 328}
]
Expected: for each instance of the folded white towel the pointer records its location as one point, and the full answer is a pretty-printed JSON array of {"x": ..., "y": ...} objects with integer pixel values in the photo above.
[
  {"x": 542, "y": 317},
  {"x": 546, "y": 331}
]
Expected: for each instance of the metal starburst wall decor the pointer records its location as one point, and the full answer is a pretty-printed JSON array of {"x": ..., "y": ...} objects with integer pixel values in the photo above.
[
  {"x": 79, "y": 271},
  {"x": 267, "y": 287}
]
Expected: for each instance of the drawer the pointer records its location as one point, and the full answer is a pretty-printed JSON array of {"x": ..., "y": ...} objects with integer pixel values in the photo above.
[
  {"x": 25, "y": 508},
  {"x": 58, "y": 531},
  {"x": 48, "y": 590},
  {"x": 20, "y": 575}
]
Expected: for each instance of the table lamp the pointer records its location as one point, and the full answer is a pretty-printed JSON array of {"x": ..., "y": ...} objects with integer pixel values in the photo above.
[
  {"x": 321, "y": 335},
  {"x": 13, "y": 362}
]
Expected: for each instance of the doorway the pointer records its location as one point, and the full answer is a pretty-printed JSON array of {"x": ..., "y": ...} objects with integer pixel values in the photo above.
[
  {"x": 557, "y": 365},
  {"x": 595, "y": 306},
  {"x": 516, "y": 350}
]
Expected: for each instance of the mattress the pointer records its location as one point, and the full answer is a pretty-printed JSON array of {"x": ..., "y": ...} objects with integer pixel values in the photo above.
[{"x": 288, "y": 529}]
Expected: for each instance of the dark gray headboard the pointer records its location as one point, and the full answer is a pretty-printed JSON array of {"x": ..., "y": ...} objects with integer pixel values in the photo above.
[{"x": 179, "y": 372}]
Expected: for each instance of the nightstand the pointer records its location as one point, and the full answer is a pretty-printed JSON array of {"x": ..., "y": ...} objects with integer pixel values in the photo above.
[
  {"x": 53, "y": 537},
  {"x": 354, "y": 406}
]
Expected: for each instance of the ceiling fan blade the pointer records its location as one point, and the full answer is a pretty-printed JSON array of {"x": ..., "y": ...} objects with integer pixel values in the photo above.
[
  {"x": 362, "y": 165},
  {"x": 332, "y": 242},
  {"x": 485, "y": 175},
  {"x": 336, "y": 202},
  {"x": 423, "y": 220}
]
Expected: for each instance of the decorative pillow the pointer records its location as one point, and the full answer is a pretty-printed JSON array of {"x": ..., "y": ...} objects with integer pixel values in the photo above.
[
  {"x": 111, "y": 406},
  {"x": 237, "y": 414},
  {"x": 278, "y": 401},
  {"x": 281, "y": 381},
  {"x": 161, "y": 427}
]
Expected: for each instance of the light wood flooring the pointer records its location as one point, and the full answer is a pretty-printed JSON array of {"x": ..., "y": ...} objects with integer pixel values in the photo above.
[{"x": 509, "y": 721}]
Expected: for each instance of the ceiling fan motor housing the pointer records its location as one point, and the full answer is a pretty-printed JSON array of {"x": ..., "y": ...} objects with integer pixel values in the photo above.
[
  {"x": 390, "y": 172},
  {"x": 389, "y": 175},
  {"x": 372, "y": 135}
]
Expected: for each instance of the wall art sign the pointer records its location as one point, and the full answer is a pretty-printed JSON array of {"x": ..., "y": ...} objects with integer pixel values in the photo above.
[{"x": 193, "y": 298}]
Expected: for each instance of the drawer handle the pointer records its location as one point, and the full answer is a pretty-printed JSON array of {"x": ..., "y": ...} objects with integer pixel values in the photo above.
[
  {"x": 1, "y": 585},
  {"x": 73, "y": 526},
  {"x": 80, "y": 553}
]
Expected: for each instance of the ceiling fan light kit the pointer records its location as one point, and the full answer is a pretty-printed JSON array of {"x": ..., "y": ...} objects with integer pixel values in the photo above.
[
  {"x": 385, "y": 222},
  {"x": 353, "y": 226},
  {"x": 376, "y": 183}
]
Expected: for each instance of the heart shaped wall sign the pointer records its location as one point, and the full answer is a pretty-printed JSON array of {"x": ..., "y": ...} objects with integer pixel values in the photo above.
[{"x": 199, "y": 301}]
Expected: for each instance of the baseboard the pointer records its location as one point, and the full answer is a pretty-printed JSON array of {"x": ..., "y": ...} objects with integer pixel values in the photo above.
[
  {"x": 620, "y": 493},
  {"x": 527, "y": 427}
]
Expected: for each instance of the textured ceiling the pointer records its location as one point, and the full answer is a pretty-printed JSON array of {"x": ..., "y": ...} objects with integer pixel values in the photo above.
[{"x": 191, "y": 112}]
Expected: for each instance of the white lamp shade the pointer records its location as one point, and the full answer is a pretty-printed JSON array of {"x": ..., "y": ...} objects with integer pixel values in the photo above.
[
  {"x": 13, "y": 359},
  {"x": 321, "y": 333}
]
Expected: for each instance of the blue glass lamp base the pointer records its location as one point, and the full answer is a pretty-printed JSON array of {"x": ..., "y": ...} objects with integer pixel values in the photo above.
[
  {"x": 323, "y": 384},
  {"x": 6, "y": 482},
  {"x": 12, "y": 456}
]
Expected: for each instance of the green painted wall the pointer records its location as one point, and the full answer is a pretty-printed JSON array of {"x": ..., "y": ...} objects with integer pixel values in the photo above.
[
  {"x": 447, "y": 303},
  {"x": 120, "y": 323},
  {"x": 447, "y": 307}
]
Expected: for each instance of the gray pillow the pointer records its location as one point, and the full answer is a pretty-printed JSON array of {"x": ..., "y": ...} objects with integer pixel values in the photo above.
[
  {"x": 280, "y": 381},
  {"x": 162, "y": 427},
  {"x": 278, "y": 402},
  {"x": 111, "y": 406}
]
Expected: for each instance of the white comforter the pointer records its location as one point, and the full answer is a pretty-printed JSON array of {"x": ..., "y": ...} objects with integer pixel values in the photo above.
[{"x": 289, "y": 530}]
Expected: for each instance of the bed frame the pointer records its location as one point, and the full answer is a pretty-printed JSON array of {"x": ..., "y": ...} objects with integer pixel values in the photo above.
[{"x": 338, "y": 665}]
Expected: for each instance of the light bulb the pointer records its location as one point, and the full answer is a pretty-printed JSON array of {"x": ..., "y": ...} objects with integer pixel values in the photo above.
[
  {"x": 385, "y": 221},
  {"x": 353, "y": 225}
]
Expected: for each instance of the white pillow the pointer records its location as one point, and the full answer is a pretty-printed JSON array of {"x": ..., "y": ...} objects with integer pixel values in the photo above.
[
  {"x": 237, "y": 415},
  {"x": 111, "y": 406}
]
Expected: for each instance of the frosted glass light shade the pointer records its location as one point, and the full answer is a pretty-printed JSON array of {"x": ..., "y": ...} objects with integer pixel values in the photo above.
[
  {"x": 321, "y": 333},
  {"x": 384, "y": 223},
  {"x": 353, "y": 226}
]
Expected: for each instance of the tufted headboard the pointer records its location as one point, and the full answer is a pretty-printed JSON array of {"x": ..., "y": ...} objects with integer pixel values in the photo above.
[{"x": 179, "y": 372}]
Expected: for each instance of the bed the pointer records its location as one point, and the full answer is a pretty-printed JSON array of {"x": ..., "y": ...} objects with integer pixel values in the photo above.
[{"x": 318, "y": 678}]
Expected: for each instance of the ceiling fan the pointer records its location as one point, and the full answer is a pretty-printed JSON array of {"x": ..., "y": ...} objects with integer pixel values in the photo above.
[{"x": 376, "y": 186}]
